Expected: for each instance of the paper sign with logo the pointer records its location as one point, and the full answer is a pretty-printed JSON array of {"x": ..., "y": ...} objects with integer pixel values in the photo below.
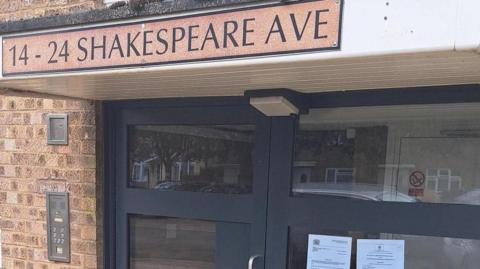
[
  {"x": 332, "y": 252},
  {"x": 380, "y": 254}
]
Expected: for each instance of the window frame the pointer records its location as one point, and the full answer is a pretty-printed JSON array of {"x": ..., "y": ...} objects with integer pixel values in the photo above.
[
  {"x": 333, "y": 213},
  {"x": 121, "y": 201}
]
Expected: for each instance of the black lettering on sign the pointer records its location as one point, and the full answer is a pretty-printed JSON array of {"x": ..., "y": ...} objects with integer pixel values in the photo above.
[
  {"x": 82, "y": 48},
  {"x": 176, "y": 37},
  {"x": 23, "y": 55},
  {"x": 246, "y": 31},
  {"x": 298, "y": 33},
  {"x": 210, "y": 35},
  {"x": 131, "y": 45},
  {"x": 162, "y": 41},
  {"x": 271, "y": 29},
  {"x": 14, "y": 55},
  {"x": 318, "y": 23},
  {"x": 54, "y": 46},
  {"x": 276, "y": 28},
  {"x": 102, "y": 46},
  {"x": 64, "y": 51},
  {"x": 146, "y": 42},
  {"x": 228, "y": 34},
  {"x": 192, "y": 36},
  {"x": 116, "y": 46}
]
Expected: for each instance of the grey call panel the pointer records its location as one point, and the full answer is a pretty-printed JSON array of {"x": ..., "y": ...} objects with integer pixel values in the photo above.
[
  {"x": 58, "y": 227},
  {"x": 57, "y": 129}
]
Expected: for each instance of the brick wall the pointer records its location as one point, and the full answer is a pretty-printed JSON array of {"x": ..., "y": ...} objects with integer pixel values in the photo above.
[
  {"x": 12, "y": 10},
  {"x": 29, "y": 167}
]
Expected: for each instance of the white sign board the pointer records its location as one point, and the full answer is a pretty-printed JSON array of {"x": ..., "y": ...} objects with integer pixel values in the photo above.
[
  {"x": 329, "y": 252},
  {"x": 380, "y": 254}
]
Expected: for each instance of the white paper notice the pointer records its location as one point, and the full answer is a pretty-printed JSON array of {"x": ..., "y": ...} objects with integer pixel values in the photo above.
[
  {"x": 380, "y": 254},
  {"x": 329, "y": 252}
]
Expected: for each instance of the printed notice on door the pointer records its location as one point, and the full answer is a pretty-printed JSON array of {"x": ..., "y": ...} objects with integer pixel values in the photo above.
[
  {"x": 329, "y": 252},
  {"x": 380, "y": 254}
]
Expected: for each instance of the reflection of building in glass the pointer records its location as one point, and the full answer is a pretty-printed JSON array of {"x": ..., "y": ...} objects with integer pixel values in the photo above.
[
  {"x": 439, "y": 180},
  {"x": 154, "y": 171},
  {"x": 339, "y": 175},
  {"x": 384, "y": 146},
  {"x": 302, "y": 171},
  {"x": 450, "y": 165},
  {"x": 349, "y": 155},
  {"x": 192, "y": 158}
]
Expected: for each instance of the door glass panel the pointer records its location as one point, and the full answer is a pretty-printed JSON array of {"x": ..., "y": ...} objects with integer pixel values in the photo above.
[
  {"x": 421, "y": 252},
  {"x": 216, "y": 159},
  {"x": 167, "y": 243},
  {"x": 412, "y": 154}
]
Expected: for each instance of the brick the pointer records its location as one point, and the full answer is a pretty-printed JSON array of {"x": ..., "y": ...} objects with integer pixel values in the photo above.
[
  {"x": 90, "y": 261},
  {"x": 12, "y": 198},
  {"x": 29, "y": 168},
  {"x": 6, "y": 224},
  {"x": 9, "y": 144},
  {"x": 88, "y": 232},
  {"x": 83, "y": 246},
  {"x": 18, "y": 264},
  {"x": 36, "y": 228}
]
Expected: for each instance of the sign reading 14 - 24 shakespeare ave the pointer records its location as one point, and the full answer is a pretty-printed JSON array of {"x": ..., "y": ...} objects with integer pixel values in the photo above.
[{"x": 254, "y": 31}]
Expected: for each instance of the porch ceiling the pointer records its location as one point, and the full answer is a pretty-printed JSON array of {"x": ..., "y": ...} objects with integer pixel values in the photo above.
[{"x": 304, "y": 75}]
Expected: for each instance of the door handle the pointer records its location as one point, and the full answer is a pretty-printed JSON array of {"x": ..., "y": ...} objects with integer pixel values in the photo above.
[{"x": 252, "y": 260}]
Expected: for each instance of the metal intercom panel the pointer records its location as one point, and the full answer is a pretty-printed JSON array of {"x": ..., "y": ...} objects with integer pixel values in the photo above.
[
  {"x": 57, "y": 129},
  {"x": 58, "y": 227}
]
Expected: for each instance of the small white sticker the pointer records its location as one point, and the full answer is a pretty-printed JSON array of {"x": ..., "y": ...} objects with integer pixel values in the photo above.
[{"x": 332, "y": 252}]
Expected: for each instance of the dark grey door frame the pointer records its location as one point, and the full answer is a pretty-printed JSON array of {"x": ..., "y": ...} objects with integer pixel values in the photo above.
[
  {"x": 123, "y": 201},
  {"x": 330, "y": 213},
  {"x": 284, "y": 210}
]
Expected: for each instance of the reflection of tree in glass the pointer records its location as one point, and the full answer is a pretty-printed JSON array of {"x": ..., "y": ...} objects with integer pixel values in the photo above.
[
  {"x": 364, "y": 149},
  {"x": 213, "y": 148},
  {"x": 318, "y": 142}
]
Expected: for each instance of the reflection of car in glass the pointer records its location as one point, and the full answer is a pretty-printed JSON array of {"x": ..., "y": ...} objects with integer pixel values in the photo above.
[
  {"x": 180, "y": 186},
  {"x": 421, "y": 252},
  {"x": 472, "y": 198},
  {"x": 167, "y": 185},
  {"x": 464, "y": 253},
  {"x": 225, "y": 188},
  {"x": 353, "y": 191},
  {"x": 202, "y": 187}
]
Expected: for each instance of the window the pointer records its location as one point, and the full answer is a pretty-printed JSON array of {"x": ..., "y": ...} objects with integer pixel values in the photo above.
[
  {"x": 396, "y": 153},
  {"x": 216, "y": 159},
  {"x": 337, "y": 175},
  {"x": 421, "y": 252},
  {"x": 171, "y": 243}
]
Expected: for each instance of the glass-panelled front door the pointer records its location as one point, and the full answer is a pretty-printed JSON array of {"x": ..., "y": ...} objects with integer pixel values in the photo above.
[
  {"x": 191, "y": 187},
  {"x": 221, "y": 186},
  {"x": 388, "y": 187}
]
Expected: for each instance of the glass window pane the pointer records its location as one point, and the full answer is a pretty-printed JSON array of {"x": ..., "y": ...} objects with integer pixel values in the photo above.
[
  {"x": 216, "y": 159},
  {"x": 167, "y": 243},
  {"x": 421, "y": 252},
  {"x": 171, "y": 243},
  {"x": 428, "y": 153}
]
